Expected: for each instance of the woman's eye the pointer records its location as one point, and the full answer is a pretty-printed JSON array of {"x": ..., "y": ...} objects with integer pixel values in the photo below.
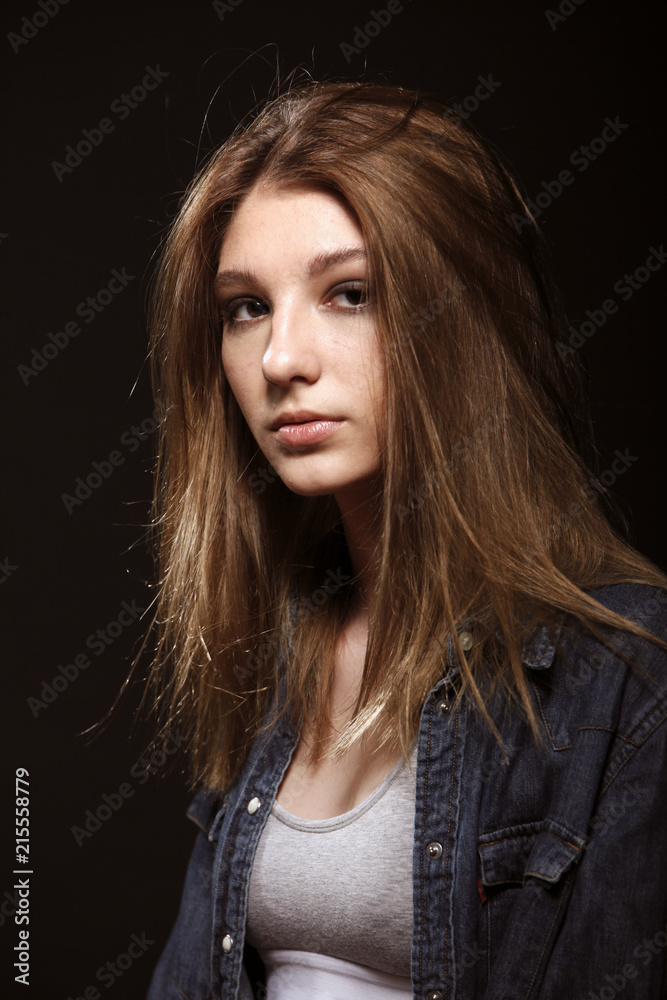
[
  {"x": 352, "y": 296},
  {"x": 349, "y": 297},
  {"x": 243, "y": 310}
]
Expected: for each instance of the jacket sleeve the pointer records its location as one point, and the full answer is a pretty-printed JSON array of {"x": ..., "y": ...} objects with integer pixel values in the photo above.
[
  {"x": 184, "y": 971},
  {"x": 613, "y": 939}
]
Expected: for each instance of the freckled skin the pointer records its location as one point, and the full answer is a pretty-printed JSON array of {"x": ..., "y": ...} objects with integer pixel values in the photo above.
[{"x": 295, "y": 340}]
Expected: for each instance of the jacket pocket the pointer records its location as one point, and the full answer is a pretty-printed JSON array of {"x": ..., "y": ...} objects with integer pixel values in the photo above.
[
  {"x": 525, "y": 882},
  {"x": 531, "y": 850}
]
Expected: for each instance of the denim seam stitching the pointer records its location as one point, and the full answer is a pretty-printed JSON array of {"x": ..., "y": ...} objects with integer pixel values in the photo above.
[
  {"x": 449, "y": 823},
  {"x": 421, "y": 845},
  {"x": 554, "y": 745},
  {"x": 628, "y": 757},
  {"x": 547, "y": 937}
]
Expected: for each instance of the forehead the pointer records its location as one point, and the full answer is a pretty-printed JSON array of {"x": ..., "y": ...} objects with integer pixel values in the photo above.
[{"x": 287, "y": 220}]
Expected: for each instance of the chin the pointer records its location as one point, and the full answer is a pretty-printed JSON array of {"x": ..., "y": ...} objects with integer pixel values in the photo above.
[
  {"x": 357, "y": 489},
  {"x": 310, "y": 489}
]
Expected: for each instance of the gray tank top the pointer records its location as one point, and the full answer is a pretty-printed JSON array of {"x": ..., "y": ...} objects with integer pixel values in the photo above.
[{"x": 341, "y": 886}]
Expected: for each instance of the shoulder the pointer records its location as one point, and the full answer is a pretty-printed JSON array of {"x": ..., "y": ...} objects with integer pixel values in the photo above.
[
  {"x": 615, "y": 682},
  {"x": 640, "y": 604},
  {"x": 643, "y": 604}
]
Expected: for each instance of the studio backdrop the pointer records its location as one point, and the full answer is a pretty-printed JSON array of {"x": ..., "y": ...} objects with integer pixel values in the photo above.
[{"x": 109, "y": 108}]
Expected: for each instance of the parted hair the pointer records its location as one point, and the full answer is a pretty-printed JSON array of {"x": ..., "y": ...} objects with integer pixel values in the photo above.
[{"x": 487, "y": 510}]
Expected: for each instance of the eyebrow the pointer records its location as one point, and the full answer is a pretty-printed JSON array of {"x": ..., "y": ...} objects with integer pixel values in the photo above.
[{"x": 316, "y": 266}]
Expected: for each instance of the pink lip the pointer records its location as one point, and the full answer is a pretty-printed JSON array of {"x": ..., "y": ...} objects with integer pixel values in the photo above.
[{"x": 309, "y": 432}]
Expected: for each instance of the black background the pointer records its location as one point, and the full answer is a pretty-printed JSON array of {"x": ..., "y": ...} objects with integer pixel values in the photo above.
[{"x": 67, "y": 574}]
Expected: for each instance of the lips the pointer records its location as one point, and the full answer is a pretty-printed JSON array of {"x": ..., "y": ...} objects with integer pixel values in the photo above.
[
  {"x": 300, "y": 417},
  {"x": 306, "y": 433}
]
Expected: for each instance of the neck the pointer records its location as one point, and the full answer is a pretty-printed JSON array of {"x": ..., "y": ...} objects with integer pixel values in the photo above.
[{"x": 360, "y": 522}]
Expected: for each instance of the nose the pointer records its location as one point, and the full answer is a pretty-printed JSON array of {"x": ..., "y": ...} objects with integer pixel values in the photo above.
[{"x": 291, "y": 353}]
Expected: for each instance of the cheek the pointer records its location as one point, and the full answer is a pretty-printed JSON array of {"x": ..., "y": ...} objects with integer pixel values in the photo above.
[
  {"x": 248, "y": 400},
  {"x": 237, "y": 375},
  {"x": 227, "y": 360},
  {"x": 370, "y": 377}
]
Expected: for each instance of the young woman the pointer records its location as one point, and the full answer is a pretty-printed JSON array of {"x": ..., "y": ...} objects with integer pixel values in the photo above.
[{"x": 425, "y": 681}]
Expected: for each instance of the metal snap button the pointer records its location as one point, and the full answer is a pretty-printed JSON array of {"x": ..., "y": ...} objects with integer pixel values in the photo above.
[
  {"x": 254, "y": 805},
  {"x": 227, "y": 943},
  {"x": 465, "y": 639},
  {"x": 434, "y": 995},
  {"x": 443, "y": 706},
  {"x": 434, "y": 849}
]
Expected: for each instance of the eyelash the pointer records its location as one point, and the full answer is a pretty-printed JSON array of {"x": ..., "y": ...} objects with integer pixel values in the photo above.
[{"x": 228, "y": 309}]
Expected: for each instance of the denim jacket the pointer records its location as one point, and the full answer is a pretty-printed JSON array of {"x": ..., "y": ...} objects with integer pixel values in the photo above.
[{"x": 537, "y": 876}]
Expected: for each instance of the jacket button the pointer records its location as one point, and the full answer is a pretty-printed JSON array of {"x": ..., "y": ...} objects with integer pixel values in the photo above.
[
  {"x": 442, "y": 707},
  {"x": 254, "y": 805},
  {"x": 465, "y": 639},
  {"x": 434, "y": 849},
  {"x": 434, "y": 995},
  {"x": 227, "y": 943}
]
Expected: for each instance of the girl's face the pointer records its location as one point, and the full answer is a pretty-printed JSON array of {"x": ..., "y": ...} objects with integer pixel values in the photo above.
[{"x": 299, "y": 345}]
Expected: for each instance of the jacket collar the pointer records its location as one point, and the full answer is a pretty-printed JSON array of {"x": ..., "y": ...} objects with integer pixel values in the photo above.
[
  {"x": 539, "y": 648},
  {"x": 538, "y": 651}
]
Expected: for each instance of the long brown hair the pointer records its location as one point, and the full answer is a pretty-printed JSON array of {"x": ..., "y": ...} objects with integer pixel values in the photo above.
[{"x": 485, "y": 510}]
